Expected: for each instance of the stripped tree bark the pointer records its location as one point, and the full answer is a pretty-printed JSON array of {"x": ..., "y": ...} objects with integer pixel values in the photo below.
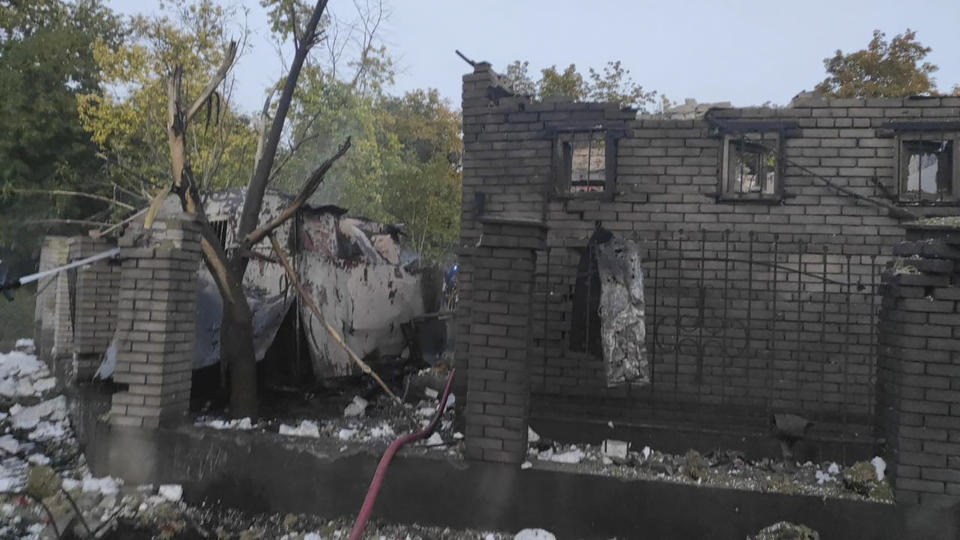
[{"x": 236, "y": 332}]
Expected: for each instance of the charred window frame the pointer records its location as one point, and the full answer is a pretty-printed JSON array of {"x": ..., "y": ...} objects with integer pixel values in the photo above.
[
  {"x": 221, "y": 227},
  {"x": 751, "y": 168},
  {"x": 928, "y": 168},
  {"x": 585, "y": 161},
  {"x": 751, "y": 158}
]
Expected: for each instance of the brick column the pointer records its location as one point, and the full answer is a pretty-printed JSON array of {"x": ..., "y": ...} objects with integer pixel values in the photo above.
[
  {"x": 53, "y": 253},
  {"x": 919, "y": 368},
  {"x": 95, "y": 311},
  {"x": 156, "y": 323},
  {"x": 498, "y": 394},
  {"x": 62, "y": 348}
]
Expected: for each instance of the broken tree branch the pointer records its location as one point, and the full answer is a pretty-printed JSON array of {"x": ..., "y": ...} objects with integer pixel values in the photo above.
[
  {"x": 71, "y": 194},
  {"x": 103, "y": 232},
  {"x": 253, "y": 203},
  {"x": 311, "y": 185},
  {"x": 229, "y": 57},
  {"x": 308, "y": 299},
  {"x": 65, "y": 222}
]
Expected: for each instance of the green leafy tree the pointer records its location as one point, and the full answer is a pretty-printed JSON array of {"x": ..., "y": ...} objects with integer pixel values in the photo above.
[
  {"x": 46, "y": 60},
  {"x": 612, "y": 83},
  {"x": 567, "y": 83},
  {"x": 404, "y": 164},
  {"x": 891, "y": 68}
]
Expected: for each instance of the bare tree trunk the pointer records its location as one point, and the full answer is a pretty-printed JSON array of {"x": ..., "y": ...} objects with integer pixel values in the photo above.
[
  {"x": 236, "y": 348},
  {"x": 236, "y": 330}
]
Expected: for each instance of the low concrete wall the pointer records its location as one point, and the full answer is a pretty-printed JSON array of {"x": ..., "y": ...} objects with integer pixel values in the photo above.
[{"x": 264, "y": 472}]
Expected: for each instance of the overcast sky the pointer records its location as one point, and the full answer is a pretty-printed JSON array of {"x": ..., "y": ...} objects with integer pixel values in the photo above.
[{"x": 746, "y": 52}]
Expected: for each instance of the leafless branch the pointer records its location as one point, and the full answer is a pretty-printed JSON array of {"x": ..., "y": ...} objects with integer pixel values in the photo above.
[
  {"x": 217, "y": 78},
  {"x": 250, "y": 215},
  {"x": 108, "y": 230},
  {"x": 370, "y": 26},
  {"x": 59, "y": 221},
  {"x": 305, "y": 137},
  {"x": 143, "y": 180},
  {"x": 309, "y": 187},
  {"x": 66, "y": 193}
]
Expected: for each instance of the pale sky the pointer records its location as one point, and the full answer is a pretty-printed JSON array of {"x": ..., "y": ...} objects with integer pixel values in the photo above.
[{"x": 743, "y": 51}]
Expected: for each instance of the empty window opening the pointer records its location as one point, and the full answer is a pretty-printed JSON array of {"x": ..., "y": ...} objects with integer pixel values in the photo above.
[
  {"x": 584, "y": 155},
  {"x": 751, "y": 168},
  {"x": 927, "y": 170}
]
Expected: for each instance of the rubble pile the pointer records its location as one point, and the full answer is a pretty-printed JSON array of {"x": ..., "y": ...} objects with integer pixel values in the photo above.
[
  {"x": 720, "y": 468},
  {"x": 785, "y": 530},
  {"x": 47, "y": 490},
  {"x": 373, "y": 423},
  {"x": 45, "y": 485}
]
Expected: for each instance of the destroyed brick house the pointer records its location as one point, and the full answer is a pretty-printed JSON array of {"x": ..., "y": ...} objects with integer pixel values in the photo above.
[
  {"x": 761, "y": 236},
  {"x": 366, "y": 283},
  {"x": 781, "y": 281}
]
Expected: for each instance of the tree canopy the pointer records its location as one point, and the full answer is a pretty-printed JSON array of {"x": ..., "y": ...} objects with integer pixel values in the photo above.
[
  {"x": 404, "y": 165},
  {"x": 612, "y": 83},
  {"x": 893, "y": 68},
  {"x": 47, "y": 60}
]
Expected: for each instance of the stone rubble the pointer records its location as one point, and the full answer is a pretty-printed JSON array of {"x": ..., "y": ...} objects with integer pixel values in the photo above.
[{"x": 42, "y": 468}]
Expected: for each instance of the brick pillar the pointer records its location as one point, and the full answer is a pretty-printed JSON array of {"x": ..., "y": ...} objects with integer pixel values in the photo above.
[
  {"x": 95, "y": 311},
  {"x": 62, "y": 348},
  {"x": 156, "y": 323},
  {"x": 498, "y": 393},
  {"x": 53, "y": 253},
  {"x": 475, "y": 105},
  {"x": 919, "y": 369}
]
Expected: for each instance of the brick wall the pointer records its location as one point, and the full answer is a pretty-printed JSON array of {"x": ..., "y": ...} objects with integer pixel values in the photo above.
[
  {"x": 498, "y": 394},
  {"x": 666, "y": 197},
  {"x": 156, "y": 323},
  {"x": 62, "y": 317},
  {"x": 53, "y": 253},
  {"x": 919, "y": 367},
  {"x": 97, "y": 293}
]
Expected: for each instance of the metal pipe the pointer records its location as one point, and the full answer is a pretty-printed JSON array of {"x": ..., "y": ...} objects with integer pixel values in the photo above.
[
  {"x": 368, "y": 502},
  {"x": 13, "y": 284}
]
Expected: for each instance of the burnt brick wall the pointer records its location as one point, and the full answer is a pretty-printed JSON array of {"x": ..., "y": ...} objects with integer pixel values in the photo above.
[
  {"x": 666, "y": 198},
  {"x": 919, "y": 367},
  {"x": 156, "y": 323},
  {"x": 97, "y": 293},
  {"x": 498, "y": 394}
]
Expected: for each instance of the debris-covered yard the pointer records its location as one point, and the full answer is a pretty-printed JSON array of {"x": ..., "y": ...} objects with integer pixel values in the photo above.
[{"x": 47, "y": 490}]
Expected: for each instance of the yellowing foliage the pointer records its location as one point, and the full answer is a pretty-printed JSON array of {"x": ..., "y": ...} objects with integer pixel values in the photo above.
[{"x": 128, "y": 118}]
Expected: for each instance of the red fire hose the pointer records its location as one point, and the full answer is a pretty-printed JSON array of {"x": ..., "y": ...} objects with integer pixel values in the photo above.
[{"x": 378, "y": 476}]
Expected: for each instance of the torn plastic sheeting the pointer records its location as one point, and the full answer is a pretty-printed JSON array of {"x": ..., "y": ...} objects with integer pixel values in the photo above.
[
  {"x": 268, "y": 314},
  {"x": 622, "y": 311}
]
